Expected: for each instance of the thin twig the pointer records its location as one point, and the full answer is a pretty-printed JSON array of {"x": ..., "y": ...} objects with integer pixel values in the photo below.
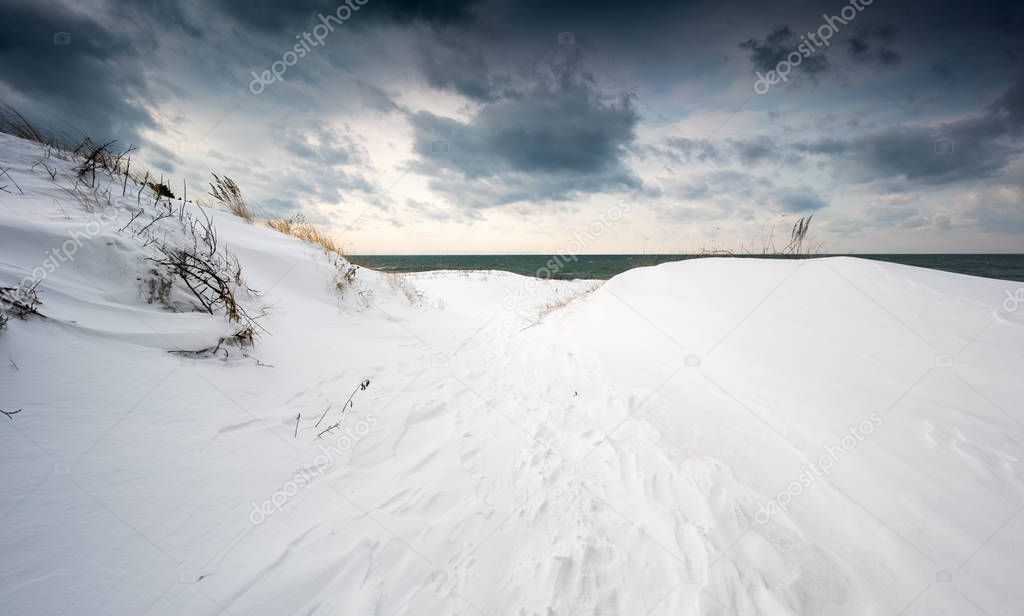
[
  {"x": 328, "y": 429},
  {"x": 362, "y": 385},
  {"x": 317, "y": 424},
  {"x": 4, "y": 172},
  {"x": 133, "y": 219},
  {"x": 348, "y": 403},
  {"x": 142, "y": 187}
]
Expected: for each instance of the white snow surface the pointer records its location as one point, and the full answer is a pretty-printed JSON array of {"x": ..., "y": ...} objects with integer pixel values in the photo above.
[{"x": 594, "y": 449}]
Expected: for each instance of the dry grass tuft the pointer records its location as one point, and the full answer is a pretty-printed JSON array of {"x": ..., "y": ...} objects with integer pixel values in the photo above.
[
  {"x": 765, "y": 245},
  {"x": 298, "y": 227},
  {"x": 227, "y": 193},
  {"x": 561, "y": 301},
  {"x": 400, "y": 282},
  {"x": 15, "y": 124}
]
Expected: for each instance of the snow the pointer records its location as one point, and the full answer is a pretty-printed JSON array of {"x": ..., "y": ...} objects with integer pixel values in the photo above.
[{"x": 634, "y": 447}]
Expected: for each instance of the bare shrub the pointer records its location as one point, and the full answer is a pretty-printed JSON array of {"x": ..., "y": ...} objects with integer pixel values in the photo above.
[
  {"x": 91, "y": 157},
  {"x": 3, "y": 320},
  {"x": 349, "y": 275},
  {"x": 102, "y": 157},
  {"x": 20, "y": 301},
  {"x": 161, "y": 189},
  {"x": 242, "y": 339},
  {"x": 227, "y": 193},
  {"x": 297, "y": 226},
  {"x": 211, "y": 274},
  {"x": 346, "y": 275}
]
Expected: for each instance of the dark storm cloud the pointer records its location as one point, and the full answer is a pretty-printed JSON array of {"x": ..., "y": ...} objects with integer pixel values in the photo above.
[
  {"x": 767, "y": 54},
  {"x": 915, "y": 156},
  {"x": 606, "y": 24},
  {"x": 972, "y": 149},
  {"x": 799, "y": 200},
  {"x": 828, "y": 145},
  {"x": 943, "y": 69},
  {"x": 456, "y": 66},
  {"x": 754, "y": 150},
  {"x": 873, "y": 45},
  {"x": 516, "y": 19},
  {"x": 649, "y": 11},
  {"x": 430, "y": 11},
  {"x": 975, "y": 147},
  {"x": 274, "y": 15},
  {"x": 554, "y": 137},
  {"x": 164, "y": 14},
  {"x": 1011, "y": 105},
  {"x": 94, "y": 82}
]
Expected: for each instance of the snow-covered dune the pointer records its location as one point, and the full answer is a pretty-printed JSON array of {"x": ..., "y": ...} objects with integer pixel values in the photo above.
[{"x": 829, "y": 436}]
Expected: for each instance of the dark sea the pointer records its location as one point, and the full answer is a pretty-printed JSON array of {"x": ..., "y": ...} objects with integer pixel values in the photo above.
[{"x": 602, "y": 267}]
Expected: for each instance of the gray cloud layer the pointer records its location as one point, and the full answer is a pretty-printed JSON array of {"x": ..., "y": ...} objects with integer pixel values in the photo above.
[
  {"x": 564, "y": 128},
  {"x": 550, "y": 138},
  {"x": 94, "y": 83}
]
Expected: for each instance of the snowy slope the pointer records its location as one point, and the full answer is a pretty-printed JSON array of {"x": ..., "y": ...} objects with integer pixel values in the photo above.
[{"x": 637, "y": 447}]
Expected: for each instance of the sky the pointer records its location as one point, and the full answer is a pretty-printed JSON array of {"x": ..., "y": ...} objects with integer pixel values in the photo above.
[{"x": 501, "y": 126}]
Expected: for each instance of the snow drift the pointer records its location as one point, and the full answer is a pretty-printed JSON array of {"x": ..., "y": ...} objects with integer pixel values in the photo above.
[{"x": 827, "y": 436}]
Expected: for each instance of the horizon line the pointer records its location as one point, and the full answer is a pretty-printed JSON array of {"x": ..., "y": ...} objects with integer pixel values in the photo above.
[{"x": 673, "y": 254}]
